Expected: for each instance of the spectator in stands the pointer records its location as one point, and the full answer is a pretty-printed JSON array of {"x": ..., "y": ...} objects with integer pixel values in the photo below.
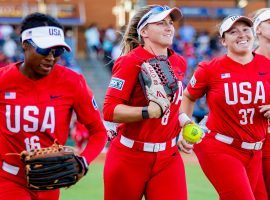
[{"x": 92, "y": 37}]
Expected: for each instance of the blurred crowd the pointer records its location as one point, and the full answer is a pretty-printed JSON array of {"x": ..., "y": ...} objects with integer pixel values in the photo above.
[{"x": 10, "y": 50}]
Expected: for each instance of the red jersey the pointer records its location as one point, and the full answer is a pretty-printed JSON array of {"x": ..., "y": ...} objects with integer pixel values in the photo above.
[
  {"x": 266, "y": 146},
  {"x": 125, "y": 88},
  {"x": 33, "y": 113},
  {"x": 234, "y": 93}
]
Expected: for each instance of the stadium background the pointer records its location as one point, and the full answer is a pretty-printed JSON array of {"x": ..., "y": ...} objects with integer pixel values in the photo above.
[{"x": 77, "y": 15}]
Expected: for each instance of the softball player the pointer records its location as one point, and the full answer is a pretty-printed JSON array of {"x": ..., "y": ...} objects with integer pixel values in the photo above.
[
  {"x": 237, "y": 85},
  {"x": 143, "y": 160},
  {"x": 261, "y": 30},
  {"x": 37, "y": 98}
]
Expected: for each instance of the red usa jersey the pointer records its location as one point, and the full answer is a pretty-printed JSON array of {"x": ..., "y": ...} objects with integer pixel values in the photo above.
[
  {"x": 33, "y": 113},
  {"x": 125, "y": 86},
  {"x": 234, "y": 94}
]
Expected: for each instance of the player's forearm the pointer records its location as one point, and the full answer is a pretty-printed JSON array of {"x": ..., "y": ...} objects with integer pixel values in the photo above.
[
  {"x": 126, "y": 114},
  {"x": 187, "y": 104},
  {"x": 95, "y": 144}
]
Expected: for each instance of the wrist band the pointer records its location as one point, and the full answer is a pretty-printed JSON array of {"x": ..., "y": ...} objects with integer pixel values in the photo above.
[
  {"x": 183, "y": 119},
  {"x": 145, "y": 114}
]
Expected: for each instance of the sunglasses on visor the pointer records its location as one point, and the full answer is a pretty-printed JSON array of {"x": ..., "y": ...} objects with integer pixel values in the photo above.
[
  {"x": 153, "y": 11},
  {"x": 56, "y": 51}
]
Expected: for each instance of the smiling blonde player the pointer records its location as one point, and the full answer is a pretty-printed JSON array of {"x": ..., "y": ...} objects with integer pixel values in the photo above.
[
  {"x": 236, "y": 85},
  {"x": 143, "y": 160}
]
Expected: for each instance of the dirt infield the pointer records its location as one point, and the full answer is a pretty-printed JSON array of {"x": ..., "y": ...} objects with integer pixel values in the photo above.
[{"x": 188, "y": 158}]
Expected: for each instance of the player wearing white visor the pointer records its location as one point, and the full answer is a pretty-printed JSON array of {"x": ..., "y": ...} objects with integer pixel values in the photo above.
[{"x": 157, "y": 14}]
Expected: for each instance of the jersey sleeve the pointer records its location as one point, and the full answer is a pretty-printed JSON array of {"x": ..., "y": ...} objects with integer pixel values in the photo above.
[
  {"x": 88, "y": 114},
  {"x": 198, "y": 83},
  {"x": 85, "y": 105},
  {"x": 124, "y": 78}
]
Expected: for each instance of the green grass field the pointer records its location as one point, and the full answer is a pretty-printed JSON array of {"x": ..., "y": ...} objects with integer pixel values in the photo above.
[{"x": 91, "y": 186}]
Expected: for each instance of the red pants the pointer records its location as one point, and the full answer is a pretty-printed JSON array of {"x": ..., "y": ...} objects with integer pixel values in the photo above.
[
  {"x": 233, "y": 172},
  {"x": 260, "y": 190},
  {"x": 11, "y": 190},
  {"x": 130, "y": 174}
]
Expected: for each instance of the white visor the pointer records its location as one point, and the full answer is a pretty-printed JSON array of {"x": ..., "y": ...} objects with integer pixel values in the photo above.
[
  {"x": 152, "y": 16},
  {"x": 230, "y": 21},
  {"x": 46, "y": 37},
  {"x": 265, "y": 15}
]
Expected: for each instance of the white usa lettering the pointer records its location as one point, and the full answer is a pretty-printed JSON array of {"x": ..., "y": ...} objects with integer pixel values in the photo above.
[
  {"x": 178, "y": 97},
  {"x": 31, "y": 116},
  {"x": 242, "y": 92}
]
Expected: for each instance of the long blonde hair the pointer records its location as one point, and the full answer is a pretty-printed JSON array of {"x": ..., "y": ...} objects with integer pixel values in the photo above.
[{"x": 131, "y": 38}]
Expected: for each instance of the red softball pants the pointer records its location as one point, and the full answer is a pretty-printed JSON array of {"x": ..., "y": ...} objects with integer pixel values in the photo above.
[
  {"x": 234, "y": 172},
  {"x": 131, "y": 174}
]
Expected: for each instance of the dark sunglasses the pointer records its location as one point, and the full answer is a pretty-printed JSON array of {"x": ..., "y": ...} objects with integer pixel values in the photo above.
[
  {"x": 153, "y": 11},
  {"x": 56, "y": 51}
]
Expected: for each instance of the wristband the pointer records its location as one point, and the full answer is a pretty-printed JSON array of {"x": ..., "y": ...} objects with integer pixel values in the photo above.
[
  {"x": 183, "y": 119},
  {"x": 84, "y": 164},
  {"x": 145, "y": 114}
]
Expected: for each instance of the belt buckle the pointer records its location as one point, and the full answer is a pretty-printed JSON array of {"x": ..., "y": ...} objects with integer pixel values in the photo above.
[
  {"x": 156, "y": 147},
  {"x": 258, "y": 145}
]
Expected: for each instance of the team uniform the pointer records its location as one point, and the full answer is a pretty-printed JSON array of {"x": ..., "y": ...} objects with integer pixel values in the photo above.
[
  {"x": 35, "y": 113},
  {"x": 230, "y": 155},
  {"x": 144, "y": 154}
]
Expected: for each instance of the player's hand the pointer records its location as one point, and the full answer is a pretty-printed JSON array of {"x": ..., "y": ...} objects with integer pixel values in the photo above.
[
  {"x": 265, "y": 109},
  {"x": 154, "y": 110},
  {"x": 184, "y": 146}
]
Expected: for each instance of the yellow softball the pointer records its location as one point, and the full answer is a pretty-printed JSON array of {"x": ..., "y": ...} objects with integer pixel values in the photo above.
[{"x": 192, "y": 133}]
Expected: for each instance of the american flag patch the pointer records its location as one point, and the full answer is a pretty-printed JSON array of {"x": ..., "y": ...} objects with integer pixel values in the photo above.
[
  {"x": 10, "y": 95},
  {"x": 225, "y": 75}
]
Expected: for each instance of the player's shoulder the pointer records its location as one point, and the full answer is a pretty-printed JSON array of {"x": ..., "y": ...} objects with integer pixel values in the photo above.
[
  {"x": 175, "y": 57},
  {"x": 60, "y": 69},
  {"x": 124, "y": 60},
  {"x": 128, "y": 61},
  {"x": 136, "y": 56},
  {"x": 8, "y": 70},
  {"x": 213, "y": 63},
  {"x": 261, "y": 58}
]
